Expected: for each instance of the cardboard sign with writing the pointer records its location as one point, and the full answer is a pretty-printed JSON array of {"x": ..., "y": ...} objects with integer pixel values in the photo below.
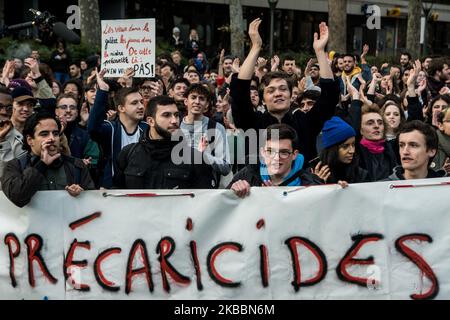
[{"x": 128, "y": 43}]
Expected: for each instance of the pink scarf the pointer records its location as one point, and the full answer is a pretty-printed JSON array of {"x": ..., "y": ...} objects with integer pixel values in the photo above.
[{"x": 375, "y": 147}]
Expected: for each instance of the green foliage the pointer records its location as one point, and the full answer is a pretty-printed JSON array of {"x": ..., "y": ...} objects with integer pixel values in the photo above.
[{"x": 21, "y": 48}]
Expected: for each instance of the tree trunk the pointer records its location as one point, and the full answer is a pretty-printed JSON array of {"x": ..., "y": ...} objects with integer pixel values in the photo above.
[
  {"x": 90, "y": 22},
  {"x": 337, "y": 24},
  {"x": 413, "y": 33},
  {"x": 237, "y": 29}
]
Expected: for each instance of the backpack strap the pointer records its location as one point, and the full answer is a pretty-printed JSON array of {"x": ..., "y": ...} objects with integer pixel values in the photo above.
[{"x": 295, "y": 176}]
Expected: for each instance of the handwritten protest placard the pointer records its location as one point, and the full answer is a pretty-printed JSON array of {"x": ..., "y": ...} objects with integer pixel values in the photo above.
[{"x": 128, "y": 43}]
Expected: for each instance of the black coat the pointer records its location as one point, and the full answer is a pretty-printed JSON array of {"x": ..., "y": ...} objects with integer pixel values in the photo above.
[
  {"x": 25, "y": 176},
  {"x": 399, "y": 171},
  {"x": 148, "y": 165},
  {"x": 307, "y": 125}
]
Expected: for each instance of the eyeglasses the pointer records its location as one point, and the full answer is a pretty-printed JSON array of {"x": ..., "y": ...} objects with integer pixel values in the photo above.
[
  {"x": 283, "y": 154},
  {"x": 65, "y": 107},
  {"x": 7, "y": 107}
]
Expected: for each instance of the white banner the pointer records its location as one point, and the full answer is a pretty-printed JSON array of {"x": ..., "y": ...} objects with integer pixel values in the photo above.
[
  {"x": 369, "y": 241},
  {"x": 128, "y": 43}
]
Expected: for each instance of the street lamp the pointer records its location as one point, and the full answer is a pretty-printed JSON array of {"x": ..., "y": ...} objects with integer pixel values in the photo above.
[{"x": 272, "y": 6}]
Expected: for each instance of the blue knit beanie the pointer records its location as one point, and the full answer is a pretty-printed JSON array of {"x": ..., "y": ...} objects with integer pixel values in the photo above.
[{"x": 336, "y": 131}]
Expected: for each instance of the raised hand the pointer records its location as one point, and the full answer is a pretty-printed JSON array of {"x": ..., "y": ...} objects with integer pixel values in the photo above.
[
  {"x": 5, "y": 127},
  {"x": 321, "y": 39},
  {"x": 84, "y": 114},
  {"x": 236, "y": 65},
  {"x": 253, "y": 33},
  {"x": 46, "y": 155},
  {"x": 128, "y": 77},
  {"x": 323, "y": 172},
  {"x": 34, "y": 66},
  {"x": 102, "y": 85},
  {"x": 365, "y": 49},
  {"x": 275, "y": 63}
]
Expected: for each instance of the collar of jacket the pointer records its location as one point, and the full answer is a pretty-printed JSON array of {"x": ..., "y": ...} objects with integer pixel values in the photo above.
[
  {"x": 398, "y": 173},
  {"x": 354, "y": 72}
]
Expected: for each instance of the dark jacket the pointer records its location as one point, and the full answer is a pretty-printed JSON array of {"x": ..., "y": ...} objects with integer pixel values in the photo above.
[
  {"x": 308, "y": 125},
  {"x": 379, "y": 166},
  {"x": 148, "y": 165},
  {"x": 24, "y": 176},
  {"x": 398, "y": 174},
  {"x": 108, "y": 135},
  {"x": 251, "y": 174},
  {"x": 78, "y": 139}
]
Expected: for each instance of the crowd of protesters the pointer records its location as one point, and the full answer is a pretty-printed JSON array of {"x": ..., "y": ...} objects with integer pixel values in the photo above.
[{"x": 65, "y": 125}]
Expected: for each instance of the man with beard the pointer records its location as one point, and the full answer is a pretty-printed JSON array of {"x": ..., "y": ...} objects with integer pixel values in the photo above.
[
  {"x": 43, "y": 167},
  {"x": 356, "y": 74},
  {"x": 113, "y": 136},
  {"x": 154, "y": 162}
]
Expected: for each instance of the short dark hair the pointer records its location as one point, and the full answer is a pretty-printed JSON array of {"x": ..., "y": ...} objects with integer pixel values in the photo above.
[
  {"x": 265, "y": 81},
  {"x": 288, "y": 58},
  {"x": 76, "y": 82},
  {"x": 170, "y": 65},
  {"x": 179, "y": 80},
  {"x": 431, "y": 138},
  {"x": 228, "y": 58},
  {"x": 282, "y": 131},
  {"x": 348, "y": 55},
  {"x": 76, "y": 63},
  {"x": 429, "y": 113},
  {"x": 32, "y": 122},
  {"x": 198, "y": 88},
  {"x": 404, "y": 53},
  {"x": 90, "y": 85},
  {"x": 154, "y": 102},
  {"x": 121, "y": 95},
  {"x": 436, "y": 65}
]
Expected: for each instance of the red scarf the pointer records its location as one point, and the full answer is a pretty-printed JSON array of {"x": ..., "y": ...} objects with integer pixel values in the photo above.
[{"x": 375, "y": 147}]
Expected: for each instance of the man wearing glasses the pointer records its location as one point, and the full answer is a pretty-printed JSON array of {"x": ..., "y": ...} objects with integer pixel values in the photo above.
[
  {"x": 279, "y": 164},
  {"x": 67, "y": 112}
]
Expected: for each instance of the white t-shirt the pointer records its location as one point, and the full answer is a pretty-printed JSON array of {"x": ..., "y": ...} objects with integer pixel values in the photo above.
[{"x": 129, "y": 138}]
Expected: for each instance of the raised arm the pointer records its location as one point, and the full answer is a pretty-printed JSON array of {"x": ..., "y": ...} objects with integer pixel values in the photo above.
[
  {"x": 319, "y": 44},
  {"x": 248, "y": 67}
]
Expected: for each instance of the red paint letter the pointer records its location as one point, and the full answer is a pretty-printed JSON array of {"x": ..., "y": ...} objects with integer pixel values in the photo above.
[
  {"x": 99, "y": 276},
  {"x": 138, "y": 245},
  {"x": 316, "y": 251},
  {"x": 359, "y": 241},
  {"x": 69, "y": 264},
  {"x": 165, "y": 248},
  {"x": 9, "y": 239},
  {"x": 211, "y": 262},
  {"x": 420, "y": 263},
  {"x": 34, "y": 244}
]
